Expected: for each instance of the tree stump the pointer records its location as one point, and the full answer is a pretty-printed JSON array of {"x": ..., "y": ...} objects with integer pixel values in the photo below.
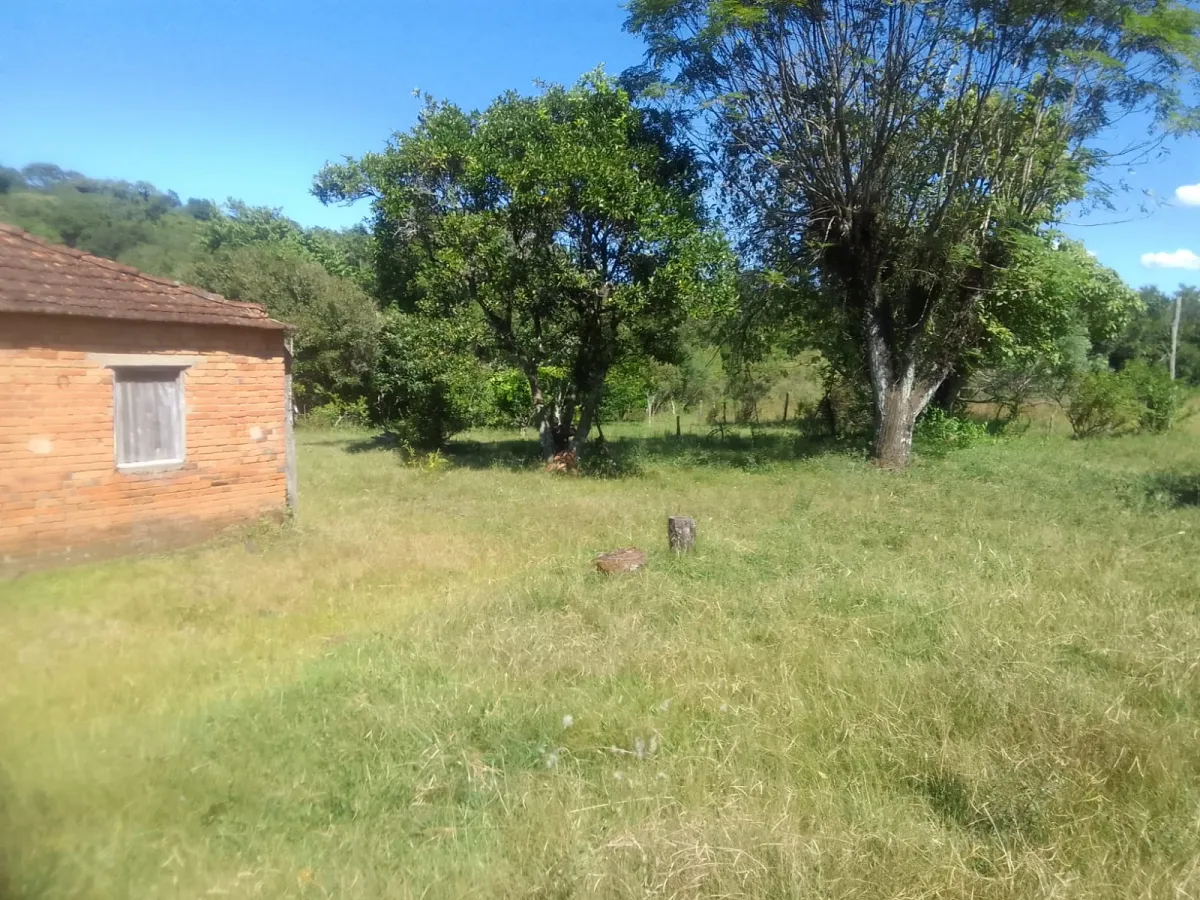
[
  {"x": 621, "y": 562},
  {"x": 681, "y": 533},
  {"x": 565, "y": 463}
]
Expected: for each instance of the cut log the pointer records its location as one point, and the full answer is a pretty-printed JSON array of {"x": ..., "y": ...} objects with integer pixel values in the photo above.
[
  {"x": 621, "y": 562},
  {"x": 681, "y": 533}
]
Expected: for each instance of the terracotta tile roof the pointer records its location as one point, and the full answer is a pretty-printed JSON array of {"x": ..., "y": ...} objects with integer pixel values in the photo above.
[{"x": 39, "y": 277}]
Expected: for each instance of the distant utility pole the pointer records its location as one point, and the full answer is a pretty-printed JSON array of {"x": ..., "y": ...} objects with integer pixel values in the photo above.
[{"x": 1175, "y": 330}]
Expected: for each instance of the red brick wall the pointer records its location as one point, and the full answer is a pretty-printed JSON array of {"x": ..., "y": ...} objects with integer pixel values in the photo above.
[{"x": 60, "y": 490}]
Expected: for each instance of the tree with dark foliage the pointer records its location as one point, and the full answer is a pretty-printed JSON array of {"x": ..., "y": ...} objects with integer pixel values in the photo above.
[{"x": 894, "y": 157}]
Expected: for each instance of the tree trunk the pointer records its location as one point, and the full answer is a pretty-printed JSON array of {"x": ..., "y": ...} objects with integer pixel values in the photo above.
[
  {"x": 546, "y": 439},
  {"x": 947, "y": 397},
  {"x": 587, "y": 415},
  {"x": 894, "y": 422},
  {"x": 900, "y": 397},
  {"x": 554, "y": 419},
  {"x": 1175, "y": 331},
  {"x": 830, "y": 414}
]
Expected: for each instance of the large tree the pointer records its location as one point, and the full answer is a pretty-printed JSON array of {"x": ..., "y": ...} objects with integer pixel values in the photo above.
[
  {"x": 257, "y": 255},
  {"x": 571, "y": 222},
  {"x": 894, "y": 157}
]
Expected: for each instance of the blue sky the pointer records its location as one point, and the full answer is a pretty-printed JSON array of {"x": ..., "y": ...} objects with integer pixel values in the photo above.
[{"x": 249, "y": 99}]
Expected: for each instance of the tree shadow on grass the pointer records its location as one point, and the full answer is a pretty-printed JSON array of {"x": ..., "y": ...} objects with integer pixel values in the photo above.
[
  {"x": 1174, "y": 489},
  {"x": 352, "y": 443},
  {"x": 625, "y": 456},
  {"x": 384, "y": 441},
  {"x": 510, "y": 454}
]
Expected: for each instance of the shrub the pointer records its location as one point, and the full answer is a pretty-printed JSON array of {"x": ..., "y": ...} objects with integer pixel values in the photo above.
[
  {"x": 846, "y": 410},
  {"x": 1159, "y": 397},
  {"x": 338, "y": 414},
  {"x": 1138, "y": 398},
  {"x": 426, "y": 386},
  {"x": 510, "y": 400},
  {"x": 626, "y": 389},
  {"x": 1103, "y": 403},
  {"x": 937, "y": 430}
]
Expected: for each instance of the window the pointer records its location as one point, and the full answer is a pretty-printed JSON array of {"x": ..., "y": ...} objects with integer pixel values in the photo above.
[{"x": 148, "y": 414}]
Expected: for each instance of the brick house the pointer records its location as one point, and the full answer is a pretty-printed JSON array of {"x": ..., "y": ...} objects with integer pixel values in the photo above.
[{"x": 134, "y": 411}]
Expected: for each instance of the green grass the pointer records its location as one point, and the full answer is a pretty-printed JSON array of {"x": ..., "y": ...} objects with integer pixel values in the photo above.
[{"x": 977, "y": 678}]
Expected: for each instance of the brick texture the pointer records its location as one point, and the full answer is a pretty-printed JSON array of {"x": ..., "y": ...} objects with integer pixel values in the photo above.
[{"x": 61, "y": 493}]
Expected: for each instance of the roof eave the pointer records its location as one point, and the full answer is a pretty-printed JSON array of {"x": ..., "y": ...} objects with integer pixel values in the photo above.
[{"x": 35, "y": 309}]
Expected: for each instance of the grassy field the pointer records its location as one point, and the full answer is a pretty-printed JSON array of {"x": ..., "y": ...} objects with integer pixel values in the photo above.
[{"x": 977, "y": 678}]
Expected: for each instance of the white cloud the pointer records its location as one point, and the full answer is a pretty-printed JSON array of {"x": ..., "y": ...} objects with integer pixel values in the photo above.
[
  {"x": 1188, "y": 194},
  {"x": 1180, "y": 259}
]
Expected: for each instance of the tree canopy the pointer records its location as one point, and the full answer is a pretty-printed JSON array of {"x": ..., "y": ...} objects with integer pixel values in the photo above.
[
  {"x": 894, "y": 157},
  {"x": 570, "y": 222}
]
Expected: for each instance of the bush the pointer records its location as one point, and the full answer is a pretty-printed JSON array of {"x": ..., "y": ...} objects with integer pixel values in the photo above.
[
  {"x": 510, "y": 400},
  {"x": 427, "y": 386},
  {"x": 338, "y": 414},
  {"x": 625, "y": 390},
  {"x": 1103, "y": 403},
  {"x": 1138, "y": 398},
  {"x": 846, "y": 410},
  {"x": 937, "y": 430},
  {"x": 1159, "y": 397}
]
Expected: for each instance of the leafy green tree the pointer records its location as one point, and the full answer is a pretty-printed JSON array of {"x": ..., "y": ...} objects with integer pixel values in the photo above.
[
  {"x": 892, "y": 158},
  {"x": 199, "y": 209},
  {"x": 1148, "y": 335},
  {"x": 337, "y": 336},
  {"x": 239, "y": 225},
  {"x": 426, "y": 384},
  {"x": 1053, "y": 295},
  {"x": 571, "y": 221},
  {"x": 11, "y": 180},
  {"x": 135, "y": 224}
]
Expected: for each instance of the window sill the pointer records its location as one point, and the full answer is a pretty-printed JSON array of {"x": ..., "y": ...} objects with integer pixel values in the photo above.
[{"x": 150, "y": 468}]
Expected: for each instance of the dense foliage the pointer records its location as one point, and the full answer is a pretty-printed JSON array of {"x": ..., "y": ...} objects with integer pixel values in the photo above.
[
  {"x": 549, "y": 262},
  {"x": 894, "y": 161},
  {"x": 135, "y": 223},
  {"x": 570, "y": 223},
  {"x": 1148, "y": 336}
]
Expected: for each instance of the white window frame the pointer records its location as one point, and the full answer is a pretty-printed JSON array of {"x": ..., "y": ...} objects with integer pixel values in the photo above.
[{"x": 119, "y": 363}]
